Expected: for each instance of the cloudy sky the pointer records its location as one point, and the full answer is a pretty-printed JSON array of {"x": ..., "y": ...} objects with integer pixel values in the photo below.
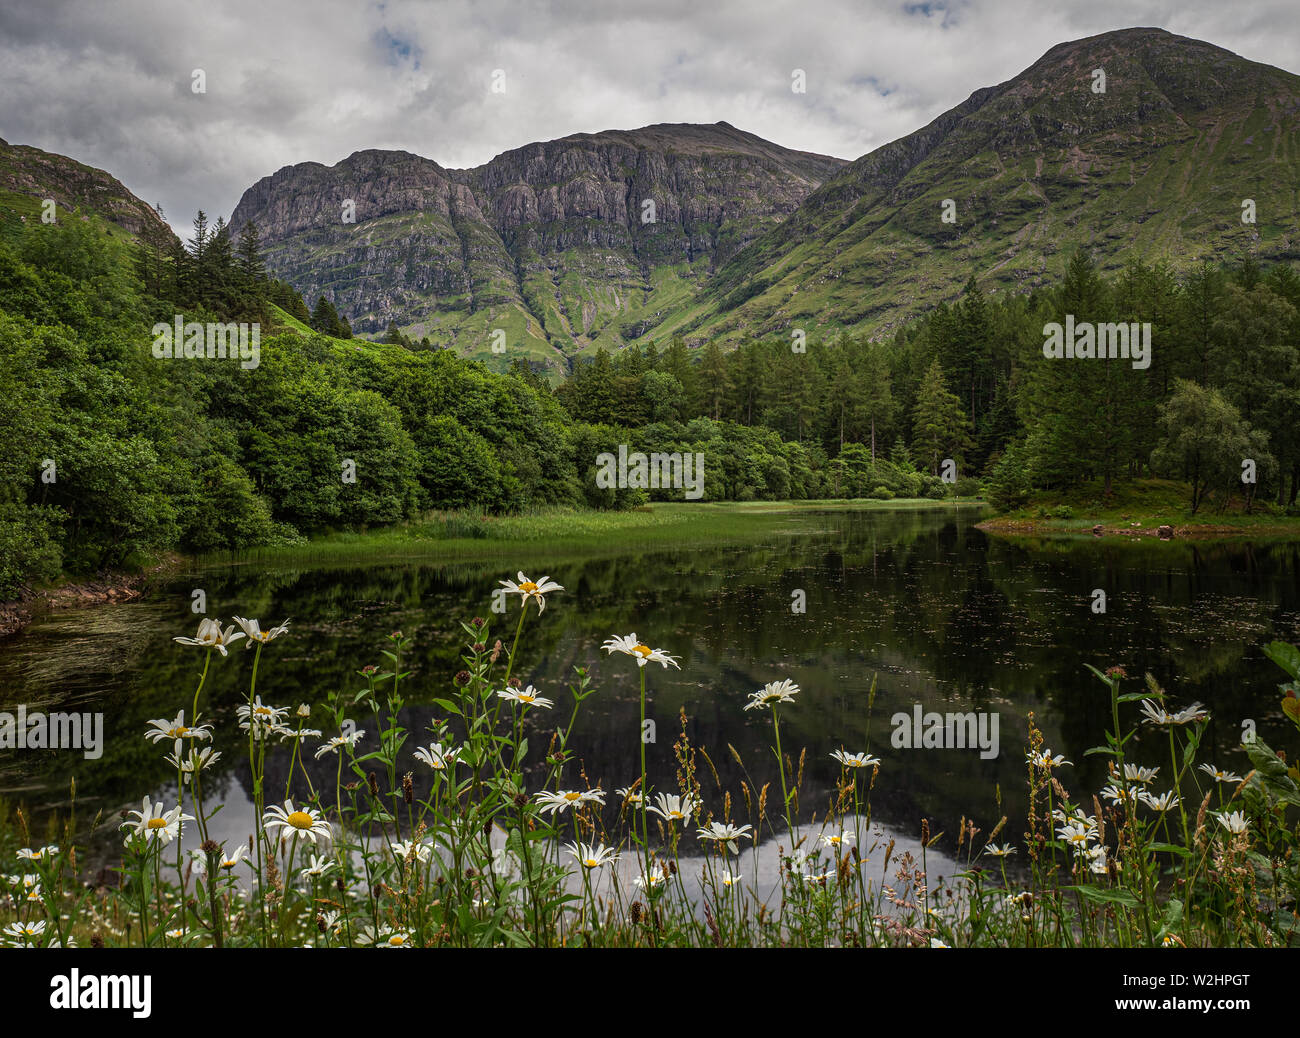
[{"x": 110, "y": 82}]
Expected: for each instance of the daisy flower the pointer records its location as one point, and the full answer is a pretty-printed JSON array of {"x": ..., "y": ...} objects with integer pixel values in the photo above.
[
  {"x": 436, "y": 757},
  {"x": 529, "y": 589},
  {"x": 40, "y": 854},
  {"x": 837, "y": 839},
  {"x": 176, "y": 730},
  {"x": 724, "y": 834},
  {"x": 643, "y": 654},
  {"x": 729, "y": 879},
  {"x": 290, "y": 821},
  {"x": 255, "y": 633},
  {"x": 229, "y": 861},
  {"x": 773, "y": 692},
  {"x": 528, "y": 697},
  {"x": 1136, "y": 773},
  {"x": 195, "y": 760},
  {"x": 1098, "y": 862},
  {"x": 1004, "y": 850},
  {"x": 27, "y": 933},
  {"x": 936, "y": 943},
  {"x": 853, "y": 760},
  {"x": 300, "y": 734},
  {"x": 318, "y": 867},
  {"x": 339, "y": 741},
  {"x": 658, "y": 879},
  {"x": 553, "y": 803},
  {"x": 266, "y": 720},
  {"x": 1044, "y": 759},
  {"x": 415, "y": 851},
  {"x": 1235, "y": 823},
  {"x": 1077, "y": 836},
  {"x": 1118, "y": 796},
  {"x": 1220, "y": 776},
  {"x": 673, "y": 808},
  {"x": 592, "y": 856},
  {"x": 630, "y": 796},
  {"x": 1163, "y": 802},
  {"x": 211, "y": 636},
  {"x": 153, "y": 823}
]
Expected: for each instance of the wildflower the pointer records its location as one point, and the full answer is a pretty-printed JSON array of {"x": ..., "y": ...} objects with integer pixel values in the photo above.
[
  {"x": 1119, "y": 796},
  {"x": 211, "y": 636},
  {"x": 1235, "y": 823},
  {"x": 393, "y": 940},
  {"x": 643, "y": 654},
  {"x": 1163, "y": 802},
  {"x": 265, "y": 720},
  {"x": 592, "y": 856},
  {"x": 630, "y": 796},
  {"x": 553, "y": 803},
  {"x": 528, "y": 589},
  {"x": 730, "y": 879},
  {"x": 27, "y": 933},
  {"x": 436, "y": 757},
  {"x": 724, "y": 835},
  {"x": 195, "y": 760},
  {"x": 1135, "y": 773},
  {"x": 175, "y": 935},
  {"x": 229, "y": 861},
  {"x": 773, "y": 692},
  {"x": 152, "y": 822},
  {"x": 1098, "y": 863},
  {"x": 1220, "y": 776},
  {"x": 1158, "y": 715},
  {"x": 672, "y": 808},
  {"x": 40, "y": 854},
  {"x": 297, "y": 733},
  {"x": 1004, "y": 850},
  {"x": 339, "y": 741},
  {"x": 1044, "y": 759},
  {"x": 304, "y": 822},
  {"x": 176, "y": 730},
  {"x": 1077, "y": 835},
  {"x": 936, "y": 943},
  {"x": 658, "y": 878},
  {"x": 853, "y": 760},
  {"x": 837, "y": 839},
  {"x": 412, "y": 850},
  {"x": 255, "y": 633},
  {"x": 528, "y": 697},
  {"x": 319, "y": 866}
]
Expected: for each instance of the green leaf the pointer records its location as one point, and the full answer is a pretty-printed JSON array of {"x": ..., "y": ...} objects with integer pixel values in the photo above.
[
  {"x": 1107, "y": 895},
  {"x": 1170, "y": 848},
  {"x": 1100, "y": 749},
  {"x": 1285, "y": 656}
]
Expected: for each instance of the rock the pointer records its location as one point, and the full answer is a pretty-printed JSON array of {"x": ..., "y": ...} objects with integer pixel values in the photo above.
[
  {"x": 1096, "y": 530},
  {"x": 1165, "y": 533}
]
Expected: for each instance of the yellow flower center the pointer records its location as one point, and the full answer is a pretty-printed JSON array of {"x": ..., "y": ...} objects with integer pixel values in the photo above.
[
  {"x": 300, "y": 820},
  {"x": 262, "y": 710},
  {"x": 179, "y": 733},
  {"x": 396, "y": 941},
  {"x": 675, "y": 814},
  {"x": 528, "y": 586},
  {"x": 571, "y": 797},
  {"x": 525, "y": 698},
  {"x": 591, "y": 863},
  {"x": 641, "y": 650},
  {"x": 157, "y": 823}
]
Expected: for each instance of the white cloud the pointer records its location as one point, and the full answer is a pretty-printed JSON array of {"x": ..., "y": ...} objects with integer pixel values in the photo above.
[{"x": 108, "y": 81}]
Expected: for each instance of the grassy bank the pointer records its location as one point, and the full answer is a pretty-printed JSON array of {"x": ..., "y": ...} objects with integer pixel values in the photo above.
[
  {"x": 1138, "y": 509},
  {"x": 471, "y": 535}
]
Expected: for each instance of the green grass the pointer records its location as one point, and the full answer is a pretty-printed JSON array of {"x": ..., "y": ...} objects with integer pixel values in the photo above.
[
  {"x": 574, "y": 532},
  {"x": 1141, "y": 505}
]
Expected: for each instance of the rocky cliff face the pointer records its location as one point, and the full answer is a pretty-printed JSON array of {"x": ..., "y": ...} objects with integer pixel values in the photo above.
[
  {"x": 563, "y": 245},
  {"x": 1157, "y": 166},
  {"x": 41, "y": 174}
]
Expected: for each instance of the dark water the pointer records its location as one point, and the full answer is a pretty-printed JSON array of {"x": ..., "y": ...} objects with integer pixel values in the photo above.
[{"x": 944, "y": 615}]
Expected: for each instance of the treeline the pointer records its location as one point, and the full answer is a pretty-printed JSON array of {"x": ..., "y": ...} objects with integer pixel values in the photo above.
[{"x": 969, "y": 382}]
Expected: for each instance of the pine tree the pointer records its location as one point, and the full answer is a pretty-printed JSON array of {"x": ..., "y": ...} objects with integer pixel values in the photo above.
[{"x": 940, "y": 428}]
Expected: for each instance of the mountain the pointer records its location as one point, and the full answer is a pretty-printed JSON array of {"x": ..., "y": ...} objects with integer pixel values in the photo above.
[
  {"x": 28, "y": 175},
  {"x": 1157, "y": 166},
  {"x": 553, "y": 243}
]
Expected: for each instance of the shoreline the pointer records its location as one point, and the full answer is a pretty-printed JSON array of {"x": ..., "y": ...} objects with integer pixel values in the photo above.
[{"x": 1008, "y": 526}]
